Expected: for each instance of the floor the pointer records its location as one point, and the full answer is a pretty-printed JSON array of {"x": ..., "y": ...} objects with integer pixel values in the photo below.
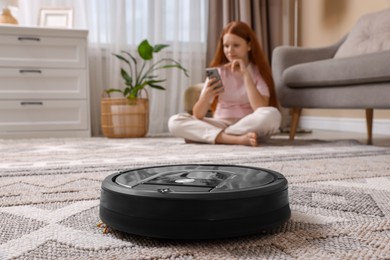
[{"x": 378, "y": 140}]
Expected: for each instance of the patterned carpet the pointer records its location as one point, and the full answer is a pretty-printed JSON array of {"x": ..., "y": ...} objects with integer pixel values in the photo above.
[{"x": 49, "y": 199}]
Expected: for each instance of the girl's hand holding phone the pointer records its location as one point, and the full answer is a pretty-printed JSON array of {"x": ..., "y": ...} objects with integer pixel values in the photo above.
[{"x": 214, "y": 82}]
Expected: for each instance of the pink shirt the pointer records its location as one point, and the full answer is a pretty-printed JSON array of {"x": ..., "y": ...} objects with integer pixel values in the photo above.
[{"x": 234, "y": 102}]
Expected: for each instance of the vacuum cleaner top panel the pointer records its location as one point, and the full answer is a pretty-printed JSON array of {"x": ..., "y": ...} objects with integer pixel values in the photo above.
[{"x": 199, "y": 179}]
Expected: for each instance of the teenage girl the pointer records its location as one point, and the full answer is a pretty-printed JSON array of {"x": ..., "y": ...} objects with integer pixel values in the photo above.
[{"x": 243, "y": 102}]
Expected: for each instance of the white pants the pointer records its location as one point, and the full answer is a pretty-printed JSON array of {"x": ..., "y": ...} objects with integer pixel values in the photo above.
[{"x": 265, "y": 121}]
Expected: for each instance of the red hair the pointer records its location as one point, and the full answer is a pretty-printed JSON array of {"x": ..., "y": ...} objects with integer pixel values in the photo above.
[{"x": 256, "y": 55}]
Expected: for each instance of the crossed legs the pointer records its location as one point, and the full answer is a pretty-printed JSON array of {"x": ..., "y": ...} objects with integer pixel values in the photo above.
[{"x": 246, "y": 131}]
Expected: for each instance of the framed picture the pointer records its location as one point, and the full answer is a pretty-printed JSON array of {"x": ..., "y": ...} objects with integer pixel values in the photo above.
[{"x": 56, "y": 18}]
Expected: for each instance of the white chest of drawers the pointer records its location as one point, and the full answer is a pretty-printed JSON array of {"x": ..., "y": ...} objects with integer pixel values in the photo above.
[{"x": 44, "y": 89}]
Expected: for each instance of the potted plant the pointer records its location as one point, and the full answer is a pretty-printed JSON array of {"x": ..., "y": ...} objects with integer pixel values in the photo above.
[{"x": 128, "y": 116}]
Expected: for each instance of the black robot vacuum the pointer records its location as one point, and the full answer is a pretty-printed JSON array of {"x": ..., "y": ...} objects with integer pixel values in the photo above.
[{"x": 194, "y": 201}]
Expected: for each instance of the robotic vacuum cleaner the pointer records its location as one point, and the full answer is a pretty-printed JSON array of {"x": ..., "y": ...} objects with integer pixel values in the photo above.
[{"x": 194, "y": 201}]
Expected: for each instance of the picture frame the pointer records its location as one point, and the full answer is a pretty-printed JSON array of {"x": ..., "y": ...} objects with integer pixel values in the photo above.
[{"x": 56, "y": 18}]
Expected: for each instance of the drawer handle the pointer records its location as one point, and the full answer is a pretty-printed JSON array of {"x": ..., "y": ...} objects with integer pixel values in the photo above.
[
  {"x": 31, "y": 103},
  {"x": 30, "y": 71},
  {"x": 36, "y": 39}
]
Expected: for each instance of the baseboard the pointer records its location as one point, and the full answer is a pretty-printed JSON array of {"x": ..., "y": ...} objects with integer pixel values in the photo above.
[{"x": 380, "y": 126}]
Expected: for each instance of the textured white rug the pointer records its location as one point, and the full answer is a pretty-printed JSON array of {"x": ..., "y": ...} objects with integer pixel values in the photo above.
[{"x": 49, "y": 199}]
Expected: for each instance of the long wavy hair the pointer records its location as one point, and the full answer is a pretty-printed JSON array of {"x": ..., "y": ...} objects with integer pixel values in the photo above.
[{"x": 256, "y": 56}]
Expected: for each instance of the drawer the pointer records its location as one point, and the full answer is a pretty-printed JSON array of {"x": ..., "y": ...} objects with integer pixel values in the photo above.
[
  {"x": 42, "y": 83},
  {"x": 27, "y": 115},
  {"x": 36, "y": 51}
]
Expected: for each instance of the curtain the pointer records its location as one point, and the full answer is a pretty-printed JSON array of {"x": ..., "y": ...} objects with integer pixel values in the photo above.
[
  {"x": 120, "y": 25},
  {"x": 264, "y": 16}
]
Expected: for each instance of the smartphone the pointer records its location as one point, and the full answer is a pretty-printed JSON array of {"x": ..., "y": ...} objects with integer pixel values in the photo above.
[{"x": 213, "y": 73}]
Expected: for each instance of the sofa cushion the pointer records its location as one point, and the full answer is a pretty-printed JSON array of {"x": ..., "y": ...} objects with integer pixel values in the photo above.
[
  {"x": 367, "y": 68},
  {"x": 370, "y": 34}
]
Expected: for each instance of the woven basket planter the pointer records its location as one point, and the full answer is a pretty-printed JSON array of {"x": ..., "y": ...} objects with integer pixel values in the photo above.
[{"x": 123, "y": 118}]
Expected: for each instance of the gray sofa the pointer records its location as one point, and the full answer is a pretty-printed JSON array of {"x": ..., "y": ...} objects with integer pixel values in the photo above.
[
  {"x": 312, "y": 78},
  {"x": 353, "y": 73}
]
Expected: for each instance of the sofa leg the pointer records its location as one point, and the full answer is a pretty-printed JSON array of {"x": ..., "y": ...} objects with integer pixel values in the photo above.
[
  {"x": 296, "y": 113},
  {"x": 369, "y": 119}
]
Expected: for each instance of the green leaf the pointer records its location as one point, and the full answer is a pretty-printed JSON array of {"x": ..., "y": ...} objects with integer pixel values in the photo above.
[
  {"x": 127, "y": 91},
  {"x": 151, "y": 76},
  {"x": 131, "y": 56},
  {"x": 159, "y": 47},
  {"x": 121, "y": 58},
  {"x": 153, "y": 84},
  {"x": 156, "y": 86},
  {"x": 170, "y": 66},
  {"x": 126, "y": 76},
  {"x": 113, "y": 90},
  {"x": 145, "y": 50},
  {"x": 174, "y": 65}
]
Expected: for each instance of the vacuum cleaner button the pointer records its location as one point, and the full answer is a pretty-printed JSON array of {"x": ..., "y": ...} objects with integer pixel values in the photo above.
[{"x": 164, "y": 190}]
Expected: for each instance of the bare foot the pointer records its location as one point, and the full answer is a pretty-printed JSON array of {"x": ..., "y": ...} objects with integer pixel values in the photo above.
[{"x": 249, "y": 139}]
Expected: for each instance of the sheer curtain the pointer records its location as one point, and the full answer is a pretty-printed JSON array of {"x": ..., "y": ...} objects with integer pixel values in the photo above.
[{"x": 120, "y": 25}]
